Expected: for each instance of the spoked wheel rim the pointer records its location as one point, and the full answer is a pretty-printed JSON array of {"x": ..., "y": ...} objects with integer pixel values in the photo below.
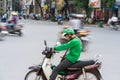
[
  {"x": 89, "y": 76},
  {"x": 33, "y": 76}
]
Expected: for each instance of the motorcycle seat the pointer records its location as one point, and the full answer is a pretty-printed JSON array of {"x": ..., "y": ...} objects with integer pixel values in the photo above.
[{"x": 82, "y": 63}]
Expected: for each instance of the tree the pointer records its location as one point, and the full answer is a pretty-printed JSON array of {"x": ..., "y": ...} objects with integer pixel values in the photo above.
[
  {"x": 39, "y": 4},
  {"x": 80, "y": 3},
  {"x": 110, "y": 3},
  {"x": 83, "y": 4},
  {"x": 15, "y": 5},
  {"x": 1, "y": 11},
  {"x": 65, "y": 8},
  {"x": 107, "y": 4}
]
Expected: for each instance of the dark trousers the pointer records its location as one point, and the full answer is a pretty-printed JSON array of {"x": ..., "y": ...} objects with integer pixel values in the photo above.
[
  {"x": 63, "y": 65},
  {"x": 52, "y": 11}
]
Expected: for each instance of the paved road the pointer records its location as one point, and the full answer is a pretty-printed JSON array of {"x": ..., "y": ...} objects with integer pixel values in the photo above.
[{"x": 18, "y": 53}]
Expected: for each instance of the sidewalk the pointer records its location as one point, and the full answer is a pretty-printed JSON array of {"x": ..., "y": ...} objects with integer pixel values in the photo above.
[
  {"x": 90, "y": 25},
  {"x": 94, "y": 25}
]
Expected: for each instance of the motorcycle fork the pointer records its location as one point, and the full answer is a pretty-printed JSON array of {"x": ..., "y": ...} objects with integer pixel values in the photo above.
[
  {"x": 40, "y": 72},
  {"x": 84, "y": 74}
]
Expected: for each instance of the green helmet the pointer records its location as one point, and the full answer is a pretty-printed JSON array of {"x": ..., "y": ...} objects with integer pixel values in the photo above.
[{"x": 68, "y": 31}]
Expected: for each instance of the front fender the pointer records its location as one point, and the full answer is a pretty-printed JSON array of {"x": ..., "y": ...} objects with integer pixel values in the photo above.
[
  {"x": 98, "y": 72},
  {"x": 37, "y": 67}
]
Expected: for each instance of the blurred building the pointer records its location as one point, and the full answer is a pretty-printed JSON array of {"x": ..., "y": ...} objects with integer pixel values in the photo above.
[
  {"x": 27, "y": 5},
  {"x": 32, "y": 6},
  {"x": 3, "y": 5}
]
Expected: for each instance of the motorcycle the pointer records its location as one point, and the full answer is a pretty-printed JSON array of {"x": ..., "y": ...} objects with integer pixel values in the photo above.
[
  {"x": 114, "y": 25},
  {"x": 17, "y": 29},
  {"x": 60, "y": 19},
  {"x": 84, "y": 37},
  {"x": 60, "y": 22},
  {"x": 36, "y": 17},
  {"x": 82, "y": 70},
  {"x": 3, "y": 31}
]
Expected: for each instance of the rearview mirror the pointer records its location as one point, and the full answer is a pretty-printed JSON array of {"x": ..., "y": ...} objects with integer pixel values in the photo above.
[{"x": 45, "y": 43}]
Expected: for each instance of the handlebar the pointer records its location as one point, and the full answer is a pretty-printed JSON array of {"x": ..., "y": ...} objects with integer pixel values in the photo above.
[{"x": 48, "y": 52}]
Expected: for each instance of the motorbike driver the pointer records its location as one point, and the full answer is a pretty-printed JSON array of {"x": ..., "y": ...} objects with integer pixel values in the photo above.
[
  {"x": 74, "y": 47},
  {"x": 76, "y": 23},
  {"x": 12, "y": 22}
]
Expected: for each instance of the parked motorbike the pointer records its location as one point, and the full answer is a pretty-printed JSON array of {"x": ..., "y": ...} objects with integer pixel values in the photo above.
[
  {"x": 82, "y": 70},
  {"x": 36, "y": 17},
  {"x": 60, "y": 22},
  {"x": 60, "y": 19},
  {"x": 114, "y": 25},
  {"x": 20, "y": 17}
]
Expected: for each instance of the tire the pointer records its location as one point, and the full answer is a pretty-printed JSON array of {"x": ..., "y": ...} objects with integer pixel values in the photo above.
[
  {"x": 32, "y": 75},
  {"x": 20, "y": 33},
  {"x": 2, "y": 37},
  {"x": 116, "y": 28},
  {"x": 91, "y": 75}
]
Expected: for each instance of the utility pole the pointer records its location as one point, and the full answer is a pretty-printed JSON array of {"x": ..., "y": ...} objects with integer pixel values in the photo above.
[
  {"x": 4, "y": 6},
  {"x": 111, "y": 12},
  {"x": 9, "y": 6},
  {"x": 39, "y": 4}
]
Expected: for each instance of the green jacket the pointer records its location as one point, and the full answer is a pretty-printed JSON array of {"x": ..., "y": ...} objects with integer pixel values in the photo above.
[{"x": 75, "y": 48}]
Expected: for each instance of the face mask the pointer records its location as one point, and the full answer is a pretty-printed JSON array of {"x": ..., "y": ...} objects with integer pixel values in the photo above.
[{"x": 67, "y": 37}]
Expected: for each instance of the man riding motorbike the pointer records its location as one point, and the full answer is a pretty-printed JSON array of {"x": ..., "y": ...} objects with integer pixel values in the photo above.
[
  {"x": 12, "y": 22},
  {"x": 74, "y": 47},
  {"x": 76, "y": 23}
]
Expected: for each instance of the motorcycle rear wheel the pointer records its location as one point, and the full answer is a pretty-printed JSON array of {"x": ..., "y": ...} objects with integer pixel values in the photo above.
[
  {"x": 2, "y": 37},
  {"x": 116, "y": 28},
  {"x": 90, "y": 75},
  {"x": 33, "y": 75}
]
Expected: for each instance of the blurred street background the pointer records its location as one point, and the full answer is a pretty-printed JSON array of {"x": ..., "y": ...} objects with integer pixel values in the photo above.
[
  {"x": 18, "y": 53},
  {"x": 40, "y": 22}
]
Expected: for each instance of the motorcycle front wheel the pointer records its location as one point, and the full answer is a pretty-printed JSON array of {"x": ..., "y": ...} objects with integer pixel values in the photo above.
[
  {"x": 90, "y": 75},
  {"x": 33, "y": 75},
  {"x": 2, "y": 37},
  {"x": 116, "y": 28}
]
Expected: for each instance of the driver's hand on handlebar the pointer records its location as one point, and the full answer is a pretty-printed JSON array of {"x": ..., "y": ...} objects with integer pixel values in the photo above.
[
  {"x": 47, "y": 49},
  {"x": 52, "y": 49}
]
